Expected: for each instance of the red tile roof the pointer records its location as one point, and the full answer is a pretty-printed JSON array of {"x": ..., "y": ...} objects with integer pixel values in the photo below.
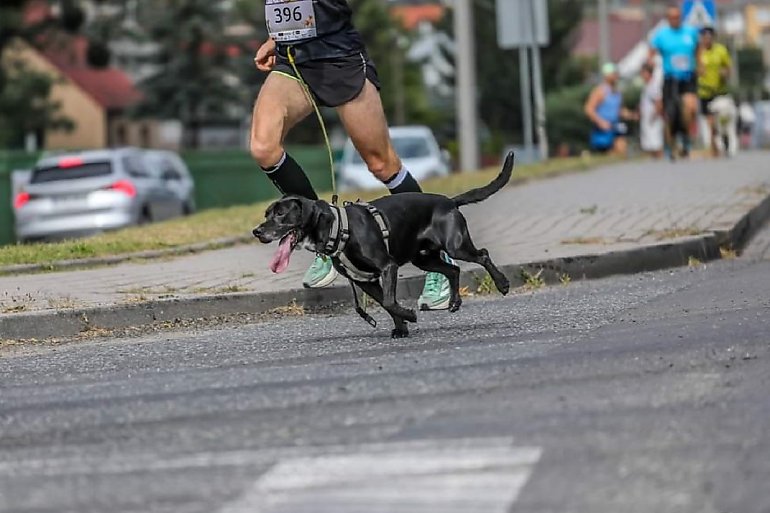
[
  {"x": 625, "y": 33},
  {"x": 36, "y": 11},
  {"x": 412, "y": 15},
  {"x": 110, "y": 87}
]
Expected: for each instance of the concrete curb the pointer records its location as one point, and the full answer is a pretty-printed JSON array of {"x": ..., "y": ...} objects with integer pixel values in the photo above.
[
  {"x": 42, "y": 325},
  {"x": 86, "y": 263}
]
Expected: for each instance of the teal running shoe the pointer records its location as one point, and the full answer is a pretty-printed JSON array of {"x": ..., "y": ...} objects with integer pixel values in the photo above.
[
  {"x": 436, "y": 292},
  {"x": 320, "y": 274}
]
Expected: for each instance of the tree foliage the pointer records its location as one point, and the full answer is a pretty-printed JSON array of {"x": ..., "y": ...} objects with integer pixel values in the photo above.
[
  {"x": 195, "y": 81},
  {"x": 499, "y": 92},
  {"x": 25, "y": 106}
]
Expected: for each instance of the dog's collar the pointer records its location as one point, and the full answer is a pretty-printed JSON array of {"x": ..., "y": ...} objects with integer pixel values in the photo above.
[{"x": 339, "y": 235}]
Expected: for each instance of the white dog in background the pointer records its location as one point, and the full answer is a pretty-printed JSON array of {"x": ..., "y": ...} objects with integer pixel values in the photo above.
[{"x": 726, "y": 120}]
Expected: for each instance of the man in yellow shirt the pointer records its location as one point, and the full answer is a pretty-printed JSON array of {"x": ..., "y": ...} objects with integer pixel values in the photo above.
[{"x": 714, "y": 68}]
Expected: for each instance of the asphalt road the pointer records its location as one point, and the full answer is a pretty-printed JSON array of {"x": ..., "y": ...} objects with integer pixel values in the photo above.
[{"x": 647, "y": 393}]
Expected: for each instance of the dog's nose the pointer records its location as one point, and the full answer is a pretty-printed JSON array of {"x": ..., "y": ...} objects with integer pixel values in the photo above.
[{"x": 256, "y": 232}]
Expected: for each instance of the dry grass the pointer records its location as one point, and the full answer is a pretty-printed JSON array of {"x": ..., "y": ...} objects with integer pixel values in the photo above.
[
  {"x": 674, "y": 233},
  {"x": 587, "y": 241},
  {"x": 728, "y": 253},
  {"x": 211, "y": 225},
  {"x": 292, "y": 309}
]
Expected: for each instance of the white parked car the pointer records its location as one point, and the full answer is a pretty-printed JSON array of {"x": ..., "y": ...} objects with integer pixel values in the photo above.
[{"x": 417, "y": 147}]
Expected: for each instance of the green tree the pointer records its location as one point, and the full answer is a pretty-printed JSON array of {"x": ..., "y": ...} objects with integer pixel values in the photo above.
[
  {"x": 751, "y": 68},
  {"x": 499, "y": 93},
  {"x": 25, "y": 106},
  {"x": 403, "y": 92},
  {"x": 196, "y": 81}
]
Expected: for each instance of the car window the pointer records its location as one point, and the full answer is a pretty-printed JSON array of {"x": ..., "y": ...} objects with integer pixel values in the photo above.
[
  {"x": 134, "y": 166},
  {"x": 411, "y": 147},
  {"x": 71, "y": 172}
]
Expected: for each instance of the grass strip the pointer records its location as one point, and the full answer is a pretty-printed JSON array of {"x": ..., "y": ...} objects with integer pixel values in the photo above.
[{"x": 219, "y": 223}]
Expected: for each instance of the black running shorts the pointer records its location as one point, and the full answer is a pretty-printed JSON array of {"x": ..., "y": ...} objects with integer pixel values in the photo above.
[
  {"x": 673, "y": 89},
  {"x": 333, "y": 82}
]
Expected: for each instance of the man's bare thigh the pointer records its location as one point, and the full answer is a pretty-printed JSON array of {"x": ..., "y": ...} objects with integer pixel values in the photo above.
[{"x": 281, "y": 104}]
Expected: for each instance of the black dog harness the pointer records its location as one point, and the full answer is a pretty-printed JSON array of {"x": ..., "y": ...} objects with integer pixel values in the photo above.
[{"x": 340, "y": 234}]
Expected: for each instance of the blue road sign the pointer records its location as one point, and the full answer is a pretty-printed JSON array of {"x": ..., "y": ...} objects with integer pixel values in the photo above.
[{"x": 699, "y": 13}]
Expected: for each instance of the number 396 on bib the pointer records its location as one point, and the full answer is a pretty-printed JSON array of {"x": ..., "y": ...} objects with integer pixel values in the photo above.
[{"x": 289, "y": 20}]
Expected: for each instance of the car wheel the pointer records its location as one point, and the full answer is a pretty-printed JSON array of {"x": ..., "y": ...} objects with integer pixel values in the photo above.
[
  {"x": 188, "y": 208},
  {"x": 144, "y": 216}
]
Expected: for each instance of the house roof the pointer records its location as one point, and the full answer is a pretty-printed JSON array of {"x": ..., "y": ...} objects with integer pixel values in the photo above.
[
  {"x": 110, "y": 87},
  {"x": 412, "y": 15},
  {"x": 625, "y": 33}
]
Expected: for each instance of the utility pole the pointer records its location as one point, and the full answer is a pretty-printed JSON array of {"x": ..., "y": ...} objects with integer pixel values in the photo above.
[
  {"x": 526, "y": 100},
  {"x": 604, "y": 32},
  {"x": 537, "y": 77},
  {"x": 465, "y": 85}
]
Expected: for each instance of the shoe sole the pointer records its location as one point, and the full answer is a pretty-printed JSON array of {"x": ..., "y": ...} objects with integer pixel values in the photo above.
[
  {"x": 325, "y": 282},
  {"x": 444, "y": 305}
]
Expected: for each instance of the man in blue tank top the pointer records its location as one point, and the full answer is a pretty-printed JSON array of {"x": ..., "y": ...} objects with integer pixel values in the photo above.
[
  {"x": 604, "y": 107},
  {"x": 677, "y": 45}
]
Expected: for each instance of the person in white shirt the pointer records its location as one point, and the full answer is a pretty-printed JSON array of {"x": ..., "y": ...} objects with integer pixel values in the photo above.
[{"x": 651, "y": 125}]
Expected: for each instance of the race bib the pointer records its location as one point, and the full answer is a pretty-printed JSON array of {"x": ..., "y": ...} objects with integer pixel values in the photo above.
[
  {"x": 681, "y": 62},
  {"x": 290, "y": 20}
]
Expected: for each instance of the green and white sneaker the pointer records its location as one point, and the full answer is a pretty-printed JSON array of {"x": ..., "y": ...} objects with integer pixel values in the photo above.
[
  {"x": 436, "y": 293},
  {"x": 320, "y": 274}
]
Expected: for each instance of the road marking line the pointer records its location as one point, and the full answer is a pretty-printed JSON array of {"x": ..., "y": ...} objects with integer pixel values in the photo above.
[{"x": 441, "y": 476}]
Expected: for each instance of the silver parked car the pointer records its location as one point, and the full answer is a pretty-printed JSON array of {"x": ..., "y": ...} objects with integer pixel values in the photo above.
[
  {"x": 417, "y": 147},
  {"x": 176, "y": 177},
  {"x": 76, "y": 194}
]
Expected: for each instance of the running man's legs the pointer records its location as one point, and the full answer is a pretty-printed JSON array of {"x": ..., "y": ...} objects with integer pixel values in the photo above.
[
  {"x": 620, "y": 146},
  {"x": 281, "y": 104},
  {"x": 365, "y": 122}
]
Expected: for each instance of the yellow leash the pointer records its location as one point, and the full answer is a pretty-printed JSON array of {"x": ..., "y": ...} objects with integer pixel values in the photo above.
[{"x": 312, "y": 101}]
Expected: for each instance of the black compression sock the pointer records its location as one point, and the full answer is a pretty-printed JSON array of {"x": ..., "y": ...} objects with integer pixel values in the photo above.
[
  {"x": 289, "y": 178},
  {"x": 403, "y": 181}
]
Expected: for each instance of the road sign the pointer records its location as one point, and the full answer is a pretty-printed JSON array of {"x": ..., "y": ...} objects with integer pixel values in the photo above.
[
  {"x": 516, "y": 19},
  {"x": 699, "y": 13}
]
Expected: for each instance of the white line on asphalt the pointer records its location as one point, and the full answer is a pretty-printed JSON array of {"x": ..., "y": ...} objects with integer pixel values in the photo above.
[
  {"x": 436, "y": 476},
  {"x": 121, "y": 463}
]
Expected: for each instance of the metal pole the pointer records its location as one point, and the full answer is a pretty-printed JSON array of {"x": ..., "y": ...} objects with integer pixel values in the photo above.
[
  {"x": 526, "y": 100},
  {"x": 604, "y": 32},
  {"x": 465, "y": 93},
  {"x": 537, "y": 77},
  {"x": 542, "y": 135}
]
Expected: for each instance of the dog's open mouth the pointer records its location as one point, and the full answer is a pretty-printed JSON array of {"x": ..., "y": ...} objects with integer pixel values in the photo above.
[{"x": 286, "y": 245}]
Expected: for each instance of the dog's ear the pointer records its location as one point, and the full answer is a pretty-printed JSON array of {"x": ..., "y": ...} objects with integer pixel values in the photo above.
[{"x": 309, "y": 212}]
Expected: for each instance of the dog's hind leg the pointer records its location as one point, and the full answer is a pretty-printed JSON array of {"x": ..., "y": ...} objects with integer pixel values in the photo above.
[
  {"x": 460, "y": 246},
  {"x": 432, "y": 262}
]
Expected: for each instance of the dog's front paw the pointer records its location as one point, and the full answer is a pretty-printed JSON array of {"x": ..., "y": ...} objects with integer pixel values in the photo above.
[
  {"x": 504, "y": 286},
  {"x": 455, "y": 304},
  {"x": 399, "y": 333}
]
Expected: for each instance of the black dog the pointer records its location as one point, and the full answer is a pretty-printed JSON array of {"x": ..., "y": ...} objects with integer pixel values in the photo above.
[{"x": 420, "y": 226}]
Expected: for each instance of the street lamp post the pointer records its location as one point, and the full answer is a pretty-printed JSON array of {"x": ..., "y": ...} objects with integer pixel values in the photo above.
[{"x": 465, "y": 86}]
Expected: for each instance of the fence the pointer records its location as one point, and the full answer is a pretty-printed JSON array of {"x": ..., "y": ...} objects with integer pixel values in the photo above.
[{"x": 222, "y": 178}]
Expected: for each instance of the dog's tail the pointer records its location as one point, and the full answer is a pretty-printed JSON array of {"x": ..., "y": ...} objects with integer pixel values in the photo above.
[{"x": 483, "y": 193}]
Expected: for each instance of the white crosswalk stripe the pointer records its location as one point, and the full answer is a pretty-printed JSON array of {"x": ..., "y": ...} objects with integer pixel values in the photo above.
[{"x": 462, "y": 476}]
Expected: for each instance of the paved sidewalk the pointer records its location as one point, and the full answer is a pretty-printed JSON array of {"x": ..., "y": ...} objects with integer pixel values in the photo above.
[{"x": 619, "y": 207}]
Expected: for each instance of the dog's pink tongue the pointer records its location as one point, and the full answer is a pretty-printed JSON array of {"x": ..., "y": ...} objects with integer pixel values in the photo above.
[{"x": 280, "y": 260}]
